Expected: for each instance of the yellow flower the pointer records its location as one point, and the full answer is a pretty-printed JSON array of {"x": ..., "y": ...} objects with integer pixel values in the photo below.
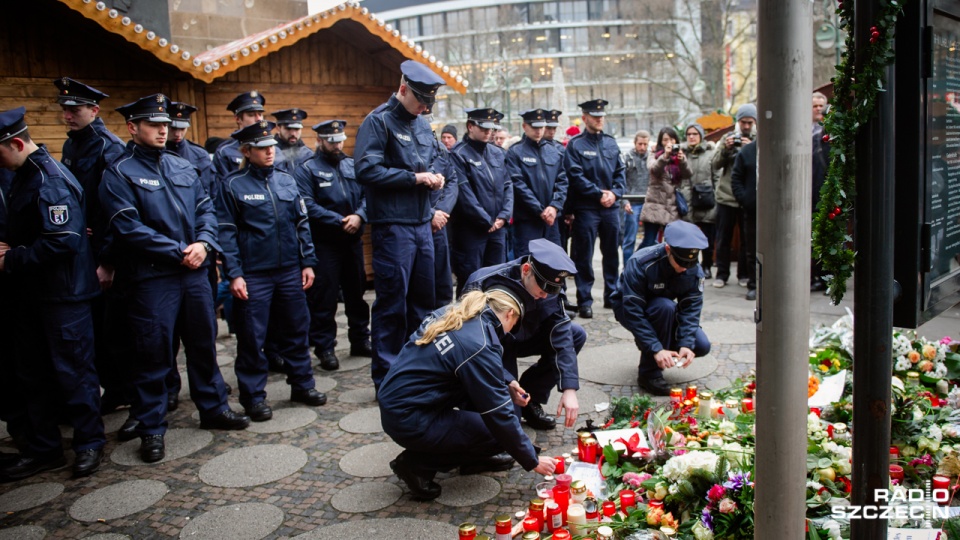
[
  {"x": 836, "y": 363},
  {"x": 654, "y": 515},
  {"x": 913, "y": 356},
  {"x": 823, "y": 367}
]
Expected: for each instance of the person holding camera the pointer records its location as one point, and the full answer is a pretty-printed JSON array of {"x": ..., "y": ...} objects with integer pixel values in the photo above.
[
  {"x": 668, "y": 167},
  {"x": 699, "y": 190}
]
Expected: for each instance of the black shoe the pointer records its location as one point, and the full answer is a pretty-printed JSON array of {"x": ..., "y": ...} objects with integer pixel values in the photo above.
[
  {"x": 586, "y": 312},
  {"x": 817, "y": 285},
  {"x": 656, "y": 387},
  {"x": 8, "y": 458},
  {"x": 421, "y": 484},
  {"x": 568, "y": 306},
  {"x": 363, "y": 349},
  {"x": 707, "y": 274},
  {"x": 607, "y": 305},
  {"x": 275, "y": 364},
  {"x": 752, "y": 294},
  {"x": 310, "y": 396},
  {"x": 259, "y": 412},
  {"x": 152, "y": 448},
  {"x": 87, "y": 462},
  {"x": 227, "y": 420},
  {"x": 28, "y": 466},
  {"x": 173, "y": 402},
  {"x": 500, "y": 462},
  {"x": 128, "y": 431},
  {"x": 536, "y": 418},
  {"x": 328, "y": 360}
]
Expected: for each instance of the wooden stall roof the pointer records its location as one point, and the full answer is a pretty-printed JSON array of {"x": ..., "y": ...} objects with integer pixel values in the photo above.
[{"x": 215, "y": 63}]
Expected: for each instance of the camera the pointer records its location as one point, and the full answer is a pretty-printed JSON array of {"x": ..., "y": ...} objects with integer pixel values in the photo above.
[
  {"x": 676, "y": 149},
  {"x": 737, "y": 140}
]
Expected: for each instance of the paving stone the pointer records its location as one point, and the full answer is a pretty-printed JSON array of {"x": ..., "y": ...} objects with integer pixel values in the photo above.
[
  {"x": 421, "y": 529},
  {"x": 587, "y": 398},
  {"x": 224, "y": 360},
  {"x": 609, "y": 364},
  {"x": 370, "y": 461},
  {"x": 279, "y": 391},
  {"x": 111, "y": 423},
  {"x": 468, "y": 490},
  {"x": 246, "y": 521},
  {"x": 730, "y": 332},
  {"x": 178, "y": 442},
  {"x": 23, "y": 532},
  {"x": 350, "y": 363},
  {"x": 621, "y": 333},
  {"x": 118, "y": 500},
  {"x": 360, "y": 395},
  {"x": 29, "y": 496},
  {"x": 3, "y": 431},
  {"x": 748, "y": 356},
  {"x": 700, "y": 368},
  {"x": 107, "y": 536},
  {"x": 285, "y": 419},
  {"x": 531, "y": 433},
  {"x": 362, "y": 421},
  {"x": 366, "y": 497},
  {"x": 253, "y": 465}
]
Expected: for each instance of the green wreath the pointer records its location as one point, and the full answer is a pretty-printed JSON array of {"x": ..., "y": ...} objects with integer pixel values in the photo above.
[{"x": 853, "y": 104}]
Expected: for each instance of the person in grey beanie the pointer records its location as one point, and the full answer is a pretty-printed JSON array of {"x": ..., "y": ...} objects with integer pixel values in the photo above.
[{"x": 448, "y": 136}]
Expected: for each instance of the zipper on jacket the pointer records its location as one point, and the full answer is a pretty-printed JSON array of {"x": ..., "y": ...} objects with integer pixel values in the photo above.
[
  {"x": 276, "y": 217},
  {"x": 173, "y": 200}
]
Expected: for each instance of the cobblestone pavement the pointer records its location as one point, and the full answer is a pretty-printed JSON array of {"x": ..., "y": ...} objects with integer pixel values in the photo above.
[{"x": 322, "y": 472}]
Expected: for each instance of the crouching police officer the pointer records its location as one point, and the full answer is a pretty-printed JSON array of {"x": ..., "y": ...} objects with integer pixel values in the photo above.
[
  {"x": 163, "y": 227},
  {"x": 453, "y": 360},
  {"x": 337, "y": 209},
  {"x": 546, "y": 330},
  {"x": 268, "y": 258},
  {"x": 667, "y": 333}
]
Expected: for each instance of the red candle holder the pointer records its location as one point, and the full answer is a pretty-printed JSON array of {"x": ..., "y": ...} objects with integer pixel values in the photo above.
[
  {"x": 896, "y": 473},
  {"x": 941, "y": 489},
  {"x": 894, "y": 452},
  {"x": 746, "y": 405},
  {"x": 561, "y": 465},
  {"x": 816, "y": 411},
  {"x": 628, "y": 498},
  {"x": 609, "y": 508}
]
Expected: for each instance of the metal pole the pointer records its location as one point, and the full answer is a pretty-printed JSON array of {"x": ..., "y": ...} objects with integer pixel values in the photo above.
[
  {"x": 784, "y": 183},
  {"x": 873, "y": 294}
]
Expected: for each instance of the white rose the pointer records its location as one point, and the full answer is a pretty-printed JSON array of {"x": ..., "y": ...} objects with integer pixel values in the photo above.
[{"x": 728, "y": 427}]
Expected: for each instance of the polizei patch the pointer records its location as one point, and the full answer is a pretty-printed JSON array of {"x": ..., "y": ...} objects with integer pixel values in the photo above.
[
  {"x": 59, "y": 214},
  {"x": 254, "y": 197}
]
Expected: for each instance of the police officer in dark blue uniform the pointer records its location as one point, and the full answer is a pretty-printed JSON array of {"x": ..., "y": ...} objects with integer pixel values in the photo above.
[
  {"x": 337, "y": 209},
  {"x": 52, "y": 273},
  {"x": 291, "y": 150},
  {"x": 12, "y": 408},
  {"x": 178, "y": 143},
  {"x": 539, "y": 184},
  {"x": 445, "y": 399},
  {"x": 485, "y": 203},
  {"x": 550, "y": 130},
  {"x": 397, "y": 152},
  {"x": 247, "y": 109},
  {"x": 443, "y": 201},
  {"x": 546, "y": 330},
  {"x": 268, "y": 257},
  {"x": 658, "y": 299},
  {"x": 597, "y": 176},
  {"x": 163, "y": 227}
]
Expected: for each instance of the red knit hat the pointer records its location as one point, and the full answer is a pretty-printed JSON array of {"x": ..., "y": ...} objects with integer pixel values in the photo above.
[{"x": 573, "y": 130}]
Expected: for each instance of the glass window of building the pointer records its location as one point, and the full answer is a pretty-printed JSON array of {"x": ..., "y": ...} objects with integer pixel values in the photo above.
[
  {"x": 545, "y": 41},
  {"x": 431, "y": 25},
  {"x": 573, "y": 10},
  {"x": 544, "y": 12},
  {"x": 458, "y": 21},
  {"x": 517, "y": 13},
  {"x": 438, "y": 48},
  {"x": 602, "y": 10},
  {"x": 485, "y": 18},
  {"x": 409, "y": 26},
  {"x": 460, "y": 49}
]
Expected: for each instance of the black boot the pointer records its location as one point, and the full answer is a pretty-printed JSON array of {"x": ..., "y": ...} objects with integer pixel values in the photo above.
[
  {"x": 152, "y": 448},
  {"x": 419, "y": 481},
  {"x": 328, "y": 360},
  {"x": 87, "y": 462},
  {"x": 536, "y": 418},
  {"x": 499, "y": 462}
]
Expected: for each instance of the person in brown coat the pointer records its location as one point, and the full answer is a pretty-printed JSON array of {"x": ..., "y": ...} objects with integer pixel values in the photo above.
[{"x": 668, "y": 166}]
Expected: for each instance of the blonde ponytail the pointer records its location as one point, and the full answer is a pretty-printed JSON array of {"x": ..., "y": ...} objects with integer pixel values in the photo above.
[{"x": 470, "y": 305}]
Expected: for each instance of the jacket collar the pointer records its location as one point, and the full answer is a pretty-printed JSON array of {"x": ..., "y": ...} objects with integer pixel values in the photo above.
[{"x": 144, "y": 152}]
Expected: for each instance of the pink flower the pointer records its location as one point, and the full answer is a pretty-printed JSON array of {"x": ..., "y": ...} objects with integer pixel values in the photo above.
[
  {"x": 678, "y": 440},
  {"x": 716, "y": 493},
  {"x": 946, "y": 340},
  {"x": 727, "y": 506},
  {"x": 632, "y": 479},
  {"x": 925, "y": 366}
]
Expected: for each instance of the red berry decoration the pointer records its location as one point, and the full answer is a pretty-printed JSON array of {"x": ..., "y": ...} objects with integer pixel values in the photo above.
[
  {"x": 836, "y": 210},
  {"x": 826, "y": 137},
  {"x": 831, "y": 215}
]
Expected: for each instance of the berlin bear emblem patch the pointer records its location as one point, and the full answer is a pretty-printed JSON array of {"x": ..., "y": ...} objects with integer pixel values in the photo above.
[
  {"x": 59, "y": 214},
  {"x": 303, "y": 206}
]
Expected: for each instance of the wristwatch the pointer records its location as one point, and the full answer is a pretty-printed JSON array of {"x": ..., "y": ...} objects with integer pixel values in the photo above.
[{"x": 206, "y": 246}]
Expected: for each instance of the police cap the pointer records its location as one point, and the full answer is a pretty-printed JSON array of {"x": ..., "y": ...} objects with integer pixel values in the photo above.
[
  {"x": 551, "y": 265},
  {"x": 291, "y": 118},
  {"x": 485, "y": 117},
  {"x": 536, "y": 118},
  {"x": 247, "y": 101},
  {"x": 180, "y": 114},
  {"x": 421, "y": 80},
  {"x": 12, "y": 123},
  {"x": 331, "y": 130},
  {"x": 74, "y": 93},
  {"x": 594, "y": 107},
  {"x": 259, "y": 134},
  {"x": 553, "y": 118},
  {"x": 685, "y": 240},
  {"x": 152, "y": 108}
]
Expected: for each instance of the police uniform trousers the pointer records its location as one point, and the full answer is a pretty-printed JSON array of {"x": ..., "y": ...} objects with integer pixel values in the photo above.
[
  {"x": 444, "y": 274},
  {"x": 450, "y": 438},
  {"x": 525, "y": 231},
  {"x": 174, "y": 384},
  {"x": 159, "y": 309},
  {"x": 12, "y": 404},
  {"x": 662, "y": 315},
  {"x": 340, "y": 268},
  {"x": 539, "y": 379},
  {"x": 588, "y": 225},
  {"x": 473, "y": 249},
  {"x": 629, "y": 225},
  {"x": 565, "y": 243},
  {"x": 54, "y": 353},
  {"x": 404, "y": 268}
]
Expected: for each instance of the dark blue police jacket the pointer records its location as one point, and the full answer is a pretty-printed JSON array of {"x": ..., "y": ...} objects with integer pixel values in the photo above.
[
  {"x": 6, "y": 179},
  {"x": 393, "y": 145},
  {"x": 329, "y": 188},
  {"x": 227, "y": 158},
  {"x": 156, "y": 207},
  {"x": 540, "y": 315},
  {"x": 461, "y": 368},
  {"x": 486, "y": 193},
  {"x": 263, "y": 222},
  {"x": 649, "y": 274},
  {"x": 199, "y": 158},
  {"x": 290, "y": 156},
  {"x": 46, "y": 230},
  {"x": 593, "y": 163},
  {"x": 445, "y": 199},
  {"x": 539, "y": 181}
]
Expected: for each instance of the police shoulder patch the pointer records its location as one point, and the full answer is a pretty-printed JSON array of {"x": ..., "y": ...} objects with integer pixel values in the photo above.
[
  {"x": 700, "y": 284},
  {"x": 59, "y": 214},
  {"x": 303, "y": 209}
]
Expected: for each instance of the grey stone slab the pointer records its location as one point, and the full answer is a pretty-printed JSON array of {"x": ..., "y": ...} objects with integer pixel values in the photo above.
[
  {"x": 370, "y": 461},
  {"x": 609, "y": 364},
  {"x": 744, "y": 356},
  {"x": 224, "y": 360},
  {"x": 118, "y": 500},
  {"x": 350, "y": 363},
  {"x": 3, "y": 431},
  {"x": 587, "y": 398},
  {"x": 700, "y": 368},
  {"x": 362, "y": 421},
  {"x": 179, "y": 443},
  {"x": 29, "y": 496},
  {"x": 221, "y": 346},
  {"x": 366, "y": 497},
  {"x": 421, "y": 529},
  {"x": 468, "y": 490},
  {"x": 107, "y": 536},
  {"x": 286, "y": 419},
  {"x": 730, "y": 332},
  {"x": 360, "y": 395},
  {"x": 621, "y": 333},
  {"x": 23, "y": 532},
  {"x": 245, "y": 521},
  {"x": 253, "y": 465}
]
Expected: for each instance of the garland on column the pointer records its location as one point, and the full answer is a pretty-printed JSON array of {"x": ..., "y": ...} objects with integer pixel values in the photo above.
[{"x": 853, "y": 104}]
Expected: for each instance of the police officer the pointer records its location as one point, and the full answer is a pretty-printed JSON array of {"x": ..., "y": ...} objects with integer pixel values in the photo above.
[
  {"x": 53, "y": 278},
  {"x": 163, "y": 227},
  {"x": 658, "y": 299},
  {"x": 337, "y": 209},
  {"x": 546, "y": 330},
  {"x": 268, "y": 257},
  {"x": 397, "y": 151},
  {"x": 247, "y": 109},
  {"x": 596, "y": 174},
  {"x": 12, "y": 408},
  {"x": 178, "y": 143},
  {"x": 453, "y": 360},
  {"x": 485, "y": 202},
  {"x": 443, "y": 201},
  {"x": 539, "y": 184},
  {"x": 550, "y": 130},
  {"x": 291, "y": 150}
]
